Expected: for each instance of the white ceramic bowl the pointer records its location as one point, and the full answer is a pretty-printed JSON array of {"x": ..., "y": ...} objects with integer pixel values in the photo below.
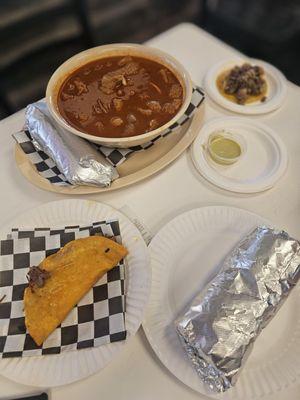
[{"x": 96, "y": 53}]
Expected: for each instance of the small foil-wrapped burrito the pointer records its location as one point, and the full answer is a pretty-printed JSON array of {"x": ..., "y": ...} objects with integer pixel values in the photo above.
[
  {"x": 220, "y": 326},
  {"x": 75, "y": 157}
]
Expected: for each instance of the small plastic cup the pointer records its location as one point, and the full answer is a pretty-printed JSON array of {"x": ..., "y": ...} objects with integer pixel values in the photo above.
[{"x": 219, "y": 156}]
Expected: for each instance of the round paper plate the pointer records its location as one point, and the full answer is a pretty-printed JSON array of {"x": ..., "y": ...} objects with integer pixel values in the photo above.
[
  {"x": 185, "y": 255},
  {"x": 67, "y": 367},
  {"x": 263, "y": 164},
  {"x": 276, "y": 92}
]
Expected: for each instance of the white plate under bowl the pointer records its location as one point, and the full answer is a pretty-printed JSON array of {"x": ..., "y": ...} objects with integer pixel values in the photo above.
[
  {"x": 185, "y": 255},
  {"x": 54, "y": 370},
  {"x": 276, "y": 92},
  {"x": 263, "y": 164}
]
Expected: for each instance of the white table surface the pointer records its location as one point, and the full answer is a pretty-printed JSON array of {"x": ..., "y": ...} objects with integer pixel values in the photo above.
[{"x": 138, "y": 374}]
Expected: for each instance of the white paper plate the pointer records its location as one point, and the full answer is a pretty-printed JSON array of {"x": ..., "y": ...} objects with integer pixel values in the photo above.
[
  {"x": 264, "y": 162},
  {"x": 184, "y": 257},
  {"x": 55, "y": 370},
  {"x": 276, "y": 93}
]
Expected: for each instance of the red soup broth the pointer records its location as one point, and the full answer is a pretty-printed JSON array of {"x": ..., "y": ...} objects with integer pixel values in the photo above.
[{"x": 120, "y": 96}]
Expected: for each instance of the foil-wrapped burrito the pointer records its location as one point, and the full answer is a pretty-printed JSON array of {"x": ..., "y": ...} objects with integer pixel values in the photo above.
[
  {"x": 220, "y": 326},
  {"x": 76, "y": 158}
]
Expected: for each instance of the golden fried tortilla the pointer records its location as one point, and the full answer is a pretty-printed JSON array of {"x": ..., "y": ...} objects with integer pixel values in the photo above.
[{"x": 73, "y": 270}]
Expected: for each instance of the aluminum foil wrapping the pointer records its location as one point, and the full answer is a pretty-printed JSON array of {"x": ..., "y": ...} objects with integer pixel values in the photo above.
[
  {"x": 220, "y": 326},
  {"x": 76, "y": 158}
]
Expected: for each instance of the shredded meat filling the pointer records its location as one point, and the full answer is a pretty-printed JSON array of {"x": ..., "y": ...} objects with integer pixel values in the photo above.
[
  {"x": 245, "y": 81},
  {"x": 37, "y": 277}
]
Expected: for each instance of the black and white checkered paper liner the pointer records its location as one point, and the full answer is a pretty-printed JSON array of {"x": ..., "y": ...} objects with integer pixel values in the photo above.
[
  {"x": 47, "y": 168},
  {"x": 99, "y": 317}
]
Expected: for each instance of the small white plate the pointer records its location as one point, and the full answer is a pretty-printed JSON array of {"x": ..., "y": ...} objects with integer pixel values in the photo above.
[
  {"x": 185, "y": 255},
  {"x": 61, "y": 369},
  {"x": 264, "y": 162},
  {"x": 276, "y": 92}
]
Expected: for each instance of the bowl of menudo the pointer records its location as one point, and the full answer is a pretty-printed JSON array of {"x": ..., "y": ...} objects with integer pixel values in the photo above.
[{"x": 119, "y": 95}]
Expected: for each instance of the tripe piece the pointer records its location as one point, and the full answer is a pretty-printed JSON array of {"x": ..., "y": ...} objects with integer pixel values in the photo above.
[{"x": 72, "y": 271}]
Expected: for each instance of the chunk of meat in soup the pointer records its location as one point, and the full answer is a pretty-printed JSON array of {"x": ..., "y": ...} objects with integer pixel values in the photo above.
[
  {"x": 131, "y": 118},
  {"x": 154, "y": 105},
  {"x": 153, "y": 124},
  {"x": 116, "y": 121},
  {"x": 129, "y": 130},
  {"x": 80, "y": 86},
  {"x": 175, "y": 91},
  {"x": 99, "y": 126},
  {"x": 145, "y": 111},
  {"x": 169, "y": 108}
]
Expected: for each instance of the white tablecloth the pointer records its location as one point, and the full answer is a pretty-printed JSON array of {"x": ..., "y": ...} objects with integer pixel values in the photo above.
[{"x": 138, "y": 374}]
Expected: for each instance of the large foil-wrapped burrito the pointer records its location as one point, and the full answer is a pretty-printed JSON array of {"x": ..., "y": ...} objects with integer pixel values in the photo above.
[
  {"x": 220, "y": 326},
  {"x": 76, "y": 158}
]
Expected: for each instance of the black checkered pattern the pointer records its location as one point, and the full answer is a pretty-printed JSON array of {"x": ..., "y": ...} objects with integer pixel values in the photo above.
[
  {"x": 99, "y": 317},
  {"x": 47, "y": 168}
]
